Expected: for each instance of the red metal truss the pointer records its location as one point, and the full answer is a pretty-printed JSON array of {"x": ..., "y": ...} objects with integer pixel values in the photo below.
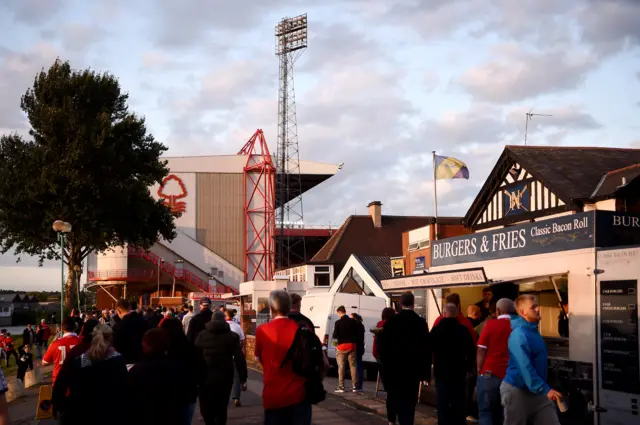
[{"x": 259, "y": 209}]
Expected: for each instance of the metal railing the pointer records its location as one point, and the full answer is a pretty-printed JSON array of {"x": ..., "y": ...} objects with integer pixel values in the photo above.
[{"x": 179, "y": 274}]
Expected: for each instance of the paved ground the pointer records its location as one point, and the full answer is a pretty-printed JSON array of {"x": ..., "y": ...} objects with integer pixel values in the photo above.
[{"x": 338, "y": 409}]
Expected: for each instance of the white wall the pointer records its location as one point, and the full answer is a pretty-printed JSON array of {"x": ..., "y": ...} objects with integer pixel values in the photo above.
[
  {"x": 187, "y": 221},
  {"x": 581, "y": 290},
  {"x": 421, "y": 234},
  {"x": 114, "y": 259}
]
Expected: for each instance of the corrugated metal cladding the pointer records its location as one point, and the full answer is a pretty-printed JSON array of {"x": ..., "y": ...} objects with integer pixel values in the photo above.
[{"x": 220, "y": 215}]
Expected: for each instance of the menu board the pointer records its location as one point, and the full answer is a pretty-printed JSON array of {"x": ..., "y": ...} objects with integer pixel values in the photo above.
[{"x": 619, "y": 336}]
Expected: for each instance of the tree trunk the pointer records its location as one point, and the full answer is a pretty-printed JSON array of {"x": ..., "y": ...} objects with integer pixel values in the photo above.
[
  {"x": 69, "y": 290},
  {"x": 71, "y": 285}
]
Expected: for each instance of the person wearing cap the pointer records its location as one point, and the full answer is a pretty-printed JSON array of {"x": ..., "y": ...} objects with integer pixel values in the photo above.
[{"x": 198, "y": 322}]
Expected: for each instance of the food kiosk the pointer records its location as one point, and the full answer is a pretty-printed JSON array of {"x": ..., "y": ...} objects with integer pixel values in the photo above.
[{"x": 587, "y": 263}]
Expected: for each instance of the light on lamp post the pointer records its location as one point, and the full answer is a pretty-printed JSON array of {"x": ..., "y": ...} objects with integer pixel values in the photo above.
[{"x": 61, "y": 228}]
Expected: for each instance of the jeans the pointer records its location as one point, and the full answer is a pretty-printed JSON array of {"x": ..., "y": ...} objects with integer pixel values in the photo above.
[
  {"x": 39, "y": 350},
  {"x": 236, "y": 390},
  {"x": 360, "y": 371},
  {"x": 298, "y": 414},
  {"x": 187, "y": 414},
  {"x": 341, "y": 358},
  {"x": 489, "y": 405},
  {"x": 523, "y": 408},
  {"x": 450, "y": 394}
]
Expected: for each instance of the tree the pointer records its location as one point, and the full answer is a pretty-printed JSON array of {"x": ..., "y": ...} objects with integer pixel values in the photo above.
[{"x": 90, "y": 162}]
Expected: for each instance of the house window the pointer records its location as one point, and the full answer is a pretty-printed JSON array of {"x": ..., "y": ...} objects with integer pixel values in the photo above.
[
  {"x": 322, "y": 276},
  {"x": 353, "y": 284}
]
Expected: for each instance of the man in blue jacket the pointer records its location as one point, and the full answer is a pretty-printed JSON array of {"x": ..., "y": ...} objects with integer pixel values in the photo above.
[{"x": 525, "y": 394}]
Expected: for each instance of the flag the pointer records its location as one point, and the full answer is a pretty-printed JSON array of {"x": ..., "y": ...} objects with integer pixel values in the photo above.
[{"x": 450, "y": 168}]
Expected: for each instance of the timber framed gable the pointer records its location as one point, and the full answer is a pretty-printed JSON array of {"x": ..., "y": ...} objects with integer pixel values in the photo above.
[{"x": 513, "y": 193}]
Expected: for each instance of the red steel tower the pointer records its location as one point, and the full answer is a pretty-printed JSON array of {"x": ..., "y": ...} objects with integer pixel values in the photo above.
[{"x": 259, "y": 209}]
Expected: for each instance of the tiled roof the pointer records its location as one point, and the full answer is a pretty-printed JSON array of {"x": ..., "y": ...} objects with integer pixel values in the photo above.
[
  {"x": 7, "y": 298},
  {"x": 358, "y": 236},
  {"x": 612, "y": 181},
  {"x": 572, "y": 172},
  {"x": 378, "y": 266}
]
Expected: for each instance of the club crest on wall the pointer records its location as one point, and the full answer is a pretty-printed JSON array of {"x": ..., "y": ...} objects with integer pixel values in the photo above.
[{"x": 171, "y": 190}]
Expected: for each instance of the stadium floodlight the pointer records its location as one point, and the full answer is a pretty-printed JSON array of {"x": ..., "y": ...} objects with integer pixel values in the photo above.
[{"x": 291, "y": 34}]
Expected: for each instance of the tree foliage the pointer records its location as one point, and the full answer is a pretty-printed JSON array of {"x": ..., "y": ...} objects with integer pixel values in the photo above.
[{"x": 90, "y": 162}]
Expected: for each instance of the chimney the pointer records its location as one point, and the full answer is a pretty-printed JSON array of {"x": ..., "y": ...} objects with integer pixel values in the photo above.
[{"x": 375, "y": 211}]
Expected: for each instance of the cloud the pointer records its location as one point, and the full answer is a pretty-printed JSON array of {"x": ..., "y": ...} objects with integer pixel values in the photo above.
[
  {"x": 610, "y": 25},
  {"x": 381, "y": 86},
  {"x": 78, "y": 37},
  {"x": 17, "y": 71},
  {"x": 518, "y": 74},
  {"x": 33, "y": 12}
]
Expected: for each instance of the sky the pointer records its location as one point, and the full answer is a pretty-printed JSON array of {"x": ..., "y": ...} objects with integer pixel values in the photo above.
[{"x": 382, "y": 84}]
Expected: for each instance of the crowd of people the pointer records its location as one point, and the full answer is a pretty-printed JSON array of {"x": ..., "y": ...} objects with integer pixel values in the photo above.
[
  {"x": 503, "y": 355},
  {"x": 132, "y": 354}
]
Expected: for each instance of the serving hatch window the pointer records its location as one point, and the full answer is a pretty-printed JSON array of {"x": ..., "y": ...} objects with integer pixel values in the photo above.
[{"x": 552, "y": 295}]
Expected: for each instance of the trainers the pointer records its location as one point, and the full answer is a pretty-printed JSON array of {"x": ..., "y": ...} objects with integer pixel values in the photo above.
[
  {"x": 339, "y": 390},
  {"x": 355, "y": 390}
]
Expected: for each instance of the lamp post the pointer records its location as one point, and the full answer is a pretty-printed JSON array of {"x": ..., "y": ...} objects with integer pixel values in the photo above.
[{"x": 61, "y": 228}]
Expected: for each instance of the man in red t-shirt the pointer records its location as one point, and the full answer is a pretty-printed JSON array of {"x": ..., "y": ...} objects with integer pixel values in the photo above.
[
  {"x": 492, "y": 361},
  {"x": 59, "y": 348},
  {"x": 283, "y": 394}
]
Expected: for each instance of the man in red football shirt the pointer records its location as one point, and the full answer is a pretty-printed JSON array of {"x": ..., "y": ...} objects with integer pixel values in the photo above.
[
  {"x": 492, "y": 361},
  {"x": 283, "y": 394},
  {"x": 59, "y": 348}
]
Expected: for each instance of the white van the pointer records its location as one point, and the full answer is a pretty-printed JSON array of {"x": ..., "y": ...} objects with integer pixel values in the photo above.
[{"x": 321, "y": 308}]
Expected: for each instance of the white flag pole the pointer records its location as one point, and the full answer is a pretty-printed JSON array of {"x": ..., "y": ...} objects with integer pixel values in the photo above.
[{"x": 435, "y": 192}]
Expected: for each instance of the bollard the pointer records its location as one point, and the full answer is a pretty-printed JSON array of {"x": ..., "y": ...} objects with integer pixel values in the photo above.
[
  {"x": 15, "y": 391},
  {"x": 33, "y": 378}
]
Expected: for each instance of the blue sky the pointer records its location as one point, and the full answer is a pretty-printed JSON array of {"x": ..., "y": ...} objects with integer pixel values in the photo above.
[{"x": 382, "y": 84}]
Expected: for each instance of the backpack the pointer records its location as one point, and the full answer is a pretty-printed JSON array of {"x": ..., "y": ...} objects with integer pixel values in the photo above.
[{"x": 307, "y": 360}]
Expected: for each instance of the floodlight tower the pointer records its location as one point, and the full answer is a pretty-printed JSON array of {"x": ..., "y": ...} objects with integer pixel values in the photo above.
[{"x": 291, "y": 40}]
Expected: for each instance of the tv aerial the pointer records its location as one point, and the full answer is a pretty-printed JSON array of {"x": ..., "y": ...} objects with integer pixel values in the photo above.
[{"x": 528, "y": 116}]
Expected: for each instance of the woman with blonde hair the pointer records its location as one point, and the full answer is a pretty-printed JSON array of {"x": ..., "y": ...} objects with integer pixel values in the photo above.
[{"x": 100, "y": 365}]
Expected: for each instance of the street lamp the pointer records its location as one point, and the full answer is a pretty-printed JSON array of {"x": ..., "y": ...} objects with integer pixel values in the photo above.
[{"x": 61, "y": 228}]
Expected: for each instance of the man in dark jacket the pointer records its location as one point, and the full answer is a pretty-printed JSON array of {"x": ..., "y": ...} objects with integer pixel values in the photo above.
[
  {"x": 128, "y": 332},
  {"x": 404, "y": 346},
  {"x": 154, "y": 397},
  {"x": 454, "y": 356},
  {"x": 345, "y": 334},
  {"x": 294, "y": 314},
  {"x": 199, "y": 321},
  {"x": 28, "y": 336},
  {"x": 220, "y": 348}
]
